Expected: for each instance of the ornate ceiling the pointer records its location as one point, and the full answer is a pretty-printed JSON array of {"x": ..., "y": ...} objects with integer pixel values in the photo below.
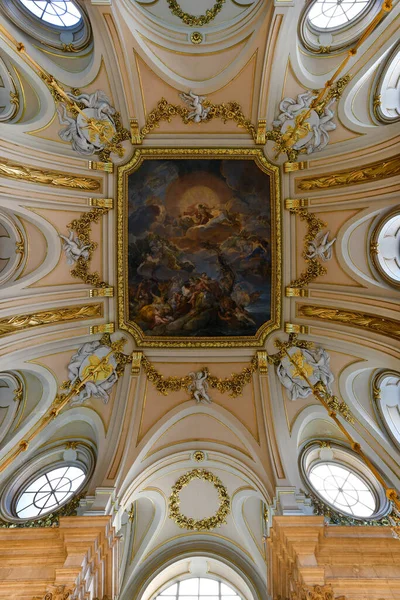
[{"x": 139, "y": 427}]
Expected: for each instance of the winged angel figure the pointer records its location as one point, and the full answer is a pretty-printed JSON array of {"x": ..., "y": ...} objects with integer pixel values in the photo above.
[
  {"x": 198, "y": 111},
  {"x": 79, "y": 129},
  {"x": 74, "y": 248},
  {"x": 321, "y": 246},
  {"x": 199, "y": 386},
  {"x": 313, "y": 134}
]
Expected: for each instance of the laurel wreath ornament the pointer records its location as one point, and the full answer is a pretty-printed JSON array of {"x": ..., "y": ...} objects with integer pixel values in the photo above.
[
  {"x": 193, "y": 20},
  {"x": 208, "y": 523}
]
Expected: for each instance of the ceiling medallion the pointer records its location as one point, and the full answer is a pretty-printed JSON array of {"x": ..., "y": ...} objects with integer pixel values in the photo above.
[
  {"x": 192, "y": 20},
  {"x": 208, "y": 523},
  {"x": 196, "y": 37}
]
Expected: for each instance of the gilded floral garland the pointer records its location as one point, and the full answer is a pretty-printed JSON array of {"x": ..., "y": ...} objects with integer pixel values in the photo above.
[
  {"x": 314, "y": 267},
  {"x": 229, "y": 111},
  {"x": 192, "y": 20},
  {"x": 82, "y": 228},
  {"x": 208, "y": 523},
  {"x": 233, "y": 385}
]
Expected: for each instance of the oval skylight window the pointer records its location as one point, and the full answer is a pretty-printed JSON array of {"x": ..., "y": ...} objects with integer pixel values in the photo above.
[
  {"x": 330, "y": 14},
  {"x": 49, "y": 491},
  {"x": 62, "y": 13},
  {"x": 343, "y": 489}
]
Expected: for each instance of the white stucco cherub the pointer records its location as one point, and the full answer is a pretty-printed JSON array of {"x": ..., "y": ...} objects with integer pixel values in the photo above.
[
  {"x": 321, "y": 247},
  {"x": 199, "y": 386},
  {"x": 74, "y": 248},
  {"x": 198, "y": 111}
]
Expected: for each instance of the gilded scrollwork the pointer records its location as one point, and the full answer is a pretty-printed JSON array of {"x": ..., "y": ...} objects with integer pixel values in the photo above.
[
  {"x": 371, "y": 172},
  {"x": 16, "y": 323},
  {"x": 208, "y": 523},
  {"x": 48, "y": 177},
  {"x": 383, "y": 325}
]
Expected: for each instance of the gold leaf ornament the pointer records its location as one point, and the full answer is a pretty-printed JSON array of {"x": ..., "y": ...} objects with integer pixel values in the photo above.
[
  {"x": 208, "y": 523},
  {"x": 193, "y": 20}
]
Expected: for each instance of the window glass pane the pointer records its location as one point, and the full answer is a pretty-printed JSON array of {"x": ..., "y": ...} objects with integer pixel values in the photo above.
[
  {"x": 225, "y": 589},
  {"x": 328, "y": 14},
  {"x": 189, "y": 587},
  {"x": 209, "y": 587},
  {"x": 343, "y": 489},
  {"x": 62, "y": 13},
  {"x": 171, "y": 591}
]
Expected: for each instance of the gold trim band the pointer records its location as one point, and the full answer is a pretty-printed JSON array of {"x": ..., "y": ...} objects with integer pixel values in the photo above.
[{"x": 48, "y": 177}]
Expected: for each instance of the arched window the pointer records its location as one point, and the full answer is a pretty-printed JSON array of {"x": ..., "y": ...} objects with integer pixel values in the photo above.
[
  {"x": 386, "y": 394},
  {"x": 62, "y": 13},
  {"x": 198, "y": 588},
  {"x": 61, "y": 24},
  {"x": 49, "y": 491},
  {"x": 385, "y": 247},
  {"x": 46, "y": 482},
  {"x": 328, "y": 26},
  {"x": 341, "y": 480},
  {"x": 386, "y": 100}
]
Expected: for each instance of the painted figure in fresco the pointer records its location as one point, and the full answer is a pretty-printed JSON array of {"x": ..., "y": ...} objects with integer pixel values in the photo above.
[
  {"x": 199, "y": 266},
  {"x": 199, "y": 386}
]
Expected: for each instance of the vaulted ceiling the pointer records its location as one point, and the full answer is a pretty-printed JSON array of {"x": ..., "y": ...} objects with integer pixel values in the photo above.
[{"x": 136, "y": 442}]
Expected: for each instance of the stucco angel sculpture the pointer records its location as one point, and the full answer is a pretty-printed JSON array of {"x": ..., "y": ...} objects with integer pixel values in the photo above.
[
  {"x": 198, "y": 111},
  {"x": 313, "y": 134},
  {"x": 79, "y": 129},
  {"x": 314, "y": 363},
  {"x": 321, "y": 246},
  {"x": 83, "y": 363},
  {"x": 199, "y": 386},
  {"x": 74, "y": 248}
]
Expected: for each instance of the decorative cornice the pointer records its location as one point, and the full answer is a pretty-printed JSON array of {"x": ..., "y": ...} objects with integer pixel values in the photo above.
[
  {"x": 383, "y": 325},
  {"x": 52, "y": 316},
  {"x": 371, "y": 172},
  {"x": 48, "y": 177}
]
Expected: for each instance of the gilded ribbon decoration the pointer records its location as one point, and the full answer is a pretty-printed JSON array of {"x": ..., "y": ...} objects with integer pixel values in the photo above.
[
  {"x": 233, "y": 385},
  {"x": 82, "y": 228},
  {"x": 192, "y": 20},
  {"x": 208, "y": 523}
]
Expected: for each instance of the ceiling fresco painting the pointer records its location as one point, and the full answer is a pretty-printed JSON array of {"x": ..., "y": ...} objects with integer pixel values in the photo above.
[
  {"x": 202, "y": 248},
  {"x": 199, "y": 303}
]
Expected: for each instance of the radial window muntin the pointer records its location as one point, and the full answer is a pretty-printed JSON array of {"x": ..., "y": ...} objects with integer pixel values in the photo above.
[
  {"x": 334, "y": 15},
  {"x": 57, "y": 13},
  {"x": 198, "y": 588},
  {"x": 343, "y": 488},
  {"x": 48, "y": 490}
]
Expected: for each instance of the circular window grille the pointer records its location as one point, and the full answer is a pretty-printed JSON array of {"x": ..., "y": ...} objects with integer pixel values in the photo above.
[
  {"x": 62, "y": 13},
  {"x": 49, "y": 491},
  {"x": 329, "y": 14},
  {"x": 343, "y": 489}
]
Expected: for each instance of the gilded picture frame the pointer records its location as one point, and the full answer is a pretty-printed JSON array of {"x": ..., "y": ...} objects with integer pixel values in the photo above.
[{"x": 142, "y": 338}]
